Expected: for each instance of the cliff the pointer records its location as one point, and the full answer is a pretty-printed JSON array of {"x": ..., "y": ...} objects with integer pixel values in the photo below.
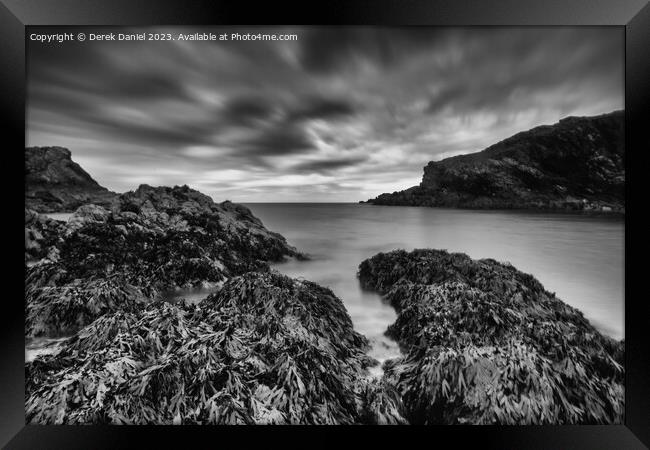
[
  {"x": 575, "y": 164},
  {"x": 55, "y": 183}
]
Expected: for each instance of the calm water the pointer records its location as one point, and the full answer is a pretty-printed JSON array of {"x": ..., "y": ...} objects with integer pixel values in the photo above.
[{"x": 580, "y": 258}]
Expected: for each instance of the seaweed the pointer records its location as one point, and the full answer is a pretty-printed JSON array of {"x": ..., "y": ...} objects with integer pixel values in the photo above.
[
  {"x": 151, "y": 240},
  {"x": 52, "y": 310},
  {"x": 486, "y": 344},
  {"x": 265, "y": 349}
]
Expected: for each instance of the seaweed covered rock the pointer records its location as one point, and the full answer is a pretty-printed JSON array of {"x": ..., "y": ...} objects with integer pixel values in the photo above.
[
  {"x": 382, "y": 404},
  {"x": 152, "y": 239},
  {"x": 486, "y": 344},
  {"x": 42, "y": 236},
  {"x": 54, "y": 309},
  {"x": 265, "y": 349}
]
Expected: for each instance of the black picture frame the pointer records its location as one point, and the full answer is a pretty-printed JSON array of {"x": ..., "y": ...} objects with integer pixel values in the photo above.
[{"x": 633, "y": 15}]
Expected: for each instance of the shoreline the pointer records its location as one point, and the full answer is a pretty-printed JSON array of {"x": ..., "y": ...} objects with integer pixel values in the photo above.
[
  {"x": 559, "y": 211},
  {"x": 255, "y": 301},
  {"x": 604, "y": 328}
]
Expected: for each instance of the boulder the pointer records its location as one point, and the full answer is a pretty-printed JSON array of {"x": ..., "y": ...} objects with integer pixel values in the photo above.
[{"x": 486, "y": 344}]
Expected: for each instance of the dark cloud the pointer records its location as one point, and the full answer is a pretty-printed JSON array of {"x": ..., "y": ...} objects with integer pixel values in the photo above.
[
  {"x": 514, "y": 70},
  {"x": 327, "y": 165},
  {"x": 320, "y": 108},
  {"x": 351, "y": 112},
  {"x": 149, "y": 86},
  {"x": 324, "y": 50},
  {"x": 248, "y": 109},
  {"x": 277, "y": 141}
]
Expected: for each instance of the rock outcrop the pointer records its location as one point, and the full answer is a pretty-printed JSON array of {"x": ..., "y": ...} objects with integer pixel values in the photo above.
[
  {"x": 265, "y": 349},
  {"x": 262, "y": 349},
  {"x": 485, "y": 344},
  {"x": 152, "y": 239},
  {"x": 55, "y": 183},
  {"x": 42, "y": 237},
  {"x": 576, "y": 164}
]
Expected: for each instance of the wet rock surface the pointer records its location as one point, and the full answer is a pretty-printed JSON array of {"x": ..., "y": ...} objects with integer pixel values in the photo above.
[
  {"x": 486, "y": 344},
  {"x": 575, "y": 164},
  {"x": 55, "y": 183}
]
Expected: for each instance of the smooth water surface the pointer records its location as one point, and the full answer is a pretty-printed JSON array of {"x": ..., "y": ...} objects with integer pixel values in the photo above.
[{"x": 578, "y": 257}]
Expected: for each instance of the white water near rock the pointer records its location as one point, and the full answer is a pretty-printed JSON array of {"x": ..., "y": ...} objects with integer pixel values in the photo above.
[
  {"x": 63, "y": 217},
  {"x": 190, "y": 295},
  {"x": 41, "y": 346}
]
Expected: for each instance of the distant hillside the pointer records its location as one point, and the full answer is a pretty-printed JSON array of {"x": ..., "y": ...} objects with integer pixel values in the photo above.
[
  {"x": 575, "y": 164},
  {"x": 55, "y": 183}
]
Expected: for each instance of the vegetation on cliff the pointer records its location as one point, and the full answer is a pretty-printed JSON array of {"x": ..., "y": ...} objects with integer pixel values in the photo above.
[
  {"x": 575, "y": 164},
  {"x": 486, "y": 344}
]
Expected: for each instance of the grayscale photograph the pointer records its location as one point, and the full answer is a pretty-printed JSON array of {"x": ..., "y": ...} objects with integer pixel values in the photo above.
[{"x": 324, "y": 225}]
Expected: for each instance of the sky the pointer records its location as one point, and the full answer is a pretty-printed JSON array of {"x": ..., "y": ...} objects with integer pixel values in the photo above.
[{"x": 337, "y": 115}]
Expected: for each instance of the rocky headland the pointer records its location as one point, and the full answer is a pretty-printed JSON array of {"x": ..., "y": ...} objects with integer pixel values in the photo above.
[
  {"x": 486, "y": 344},
  {"x": 575, "y": 164},
  {"x": 55, "y": 183}
]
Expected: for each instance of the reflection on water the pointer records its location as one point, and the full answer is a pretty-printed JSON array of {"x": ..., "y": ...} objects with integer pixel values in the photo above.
[{"x": 578, "y": 257}]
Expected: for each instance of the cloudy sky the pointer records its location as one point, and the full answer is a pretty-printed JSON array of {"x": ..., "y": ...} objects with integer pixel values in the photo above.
[{"x": 340, "y": 114}]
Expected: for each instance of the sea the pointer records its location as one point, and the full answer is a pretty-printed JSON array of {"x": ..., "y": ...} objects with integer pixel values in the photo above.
[{"x": 579, "y": 257}]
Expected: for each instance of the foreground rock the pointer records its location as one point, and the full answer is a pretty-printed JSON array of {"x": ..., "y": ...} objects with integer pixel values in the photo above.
[
  {"x": 486, "y": 344},
  {"x": 43, "y": 236},
  {"x": 150, "y": 240},
  {"x": 576, "y": 164},
  {"x": 55, "y": 183},
  {"x": 265, "y": 349}
]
